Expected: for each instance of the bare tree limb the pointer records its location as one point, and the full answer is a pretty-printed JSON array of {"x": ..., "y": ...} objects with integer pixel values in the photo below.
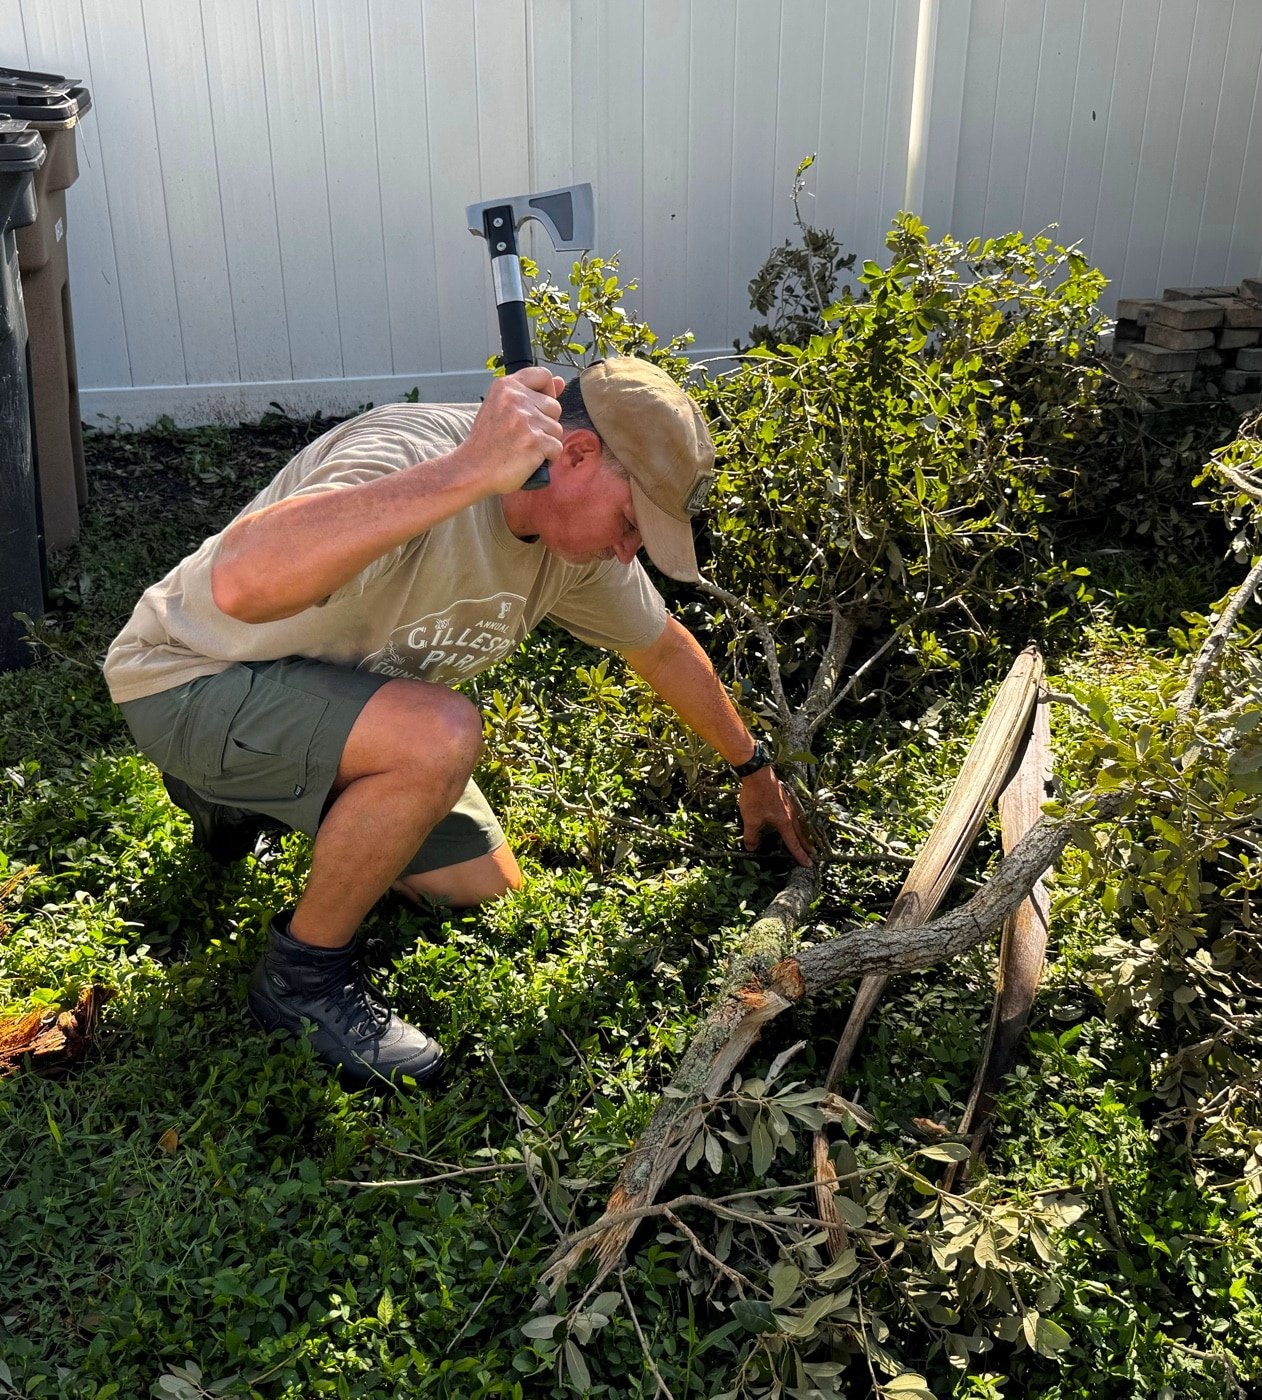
[
  {"x": 1022, "y": 947},
  {"x": 716, "y": 1049},
  {"x": 1048, "y": 696},
  {"x": 1211, "y": 647},
  {"x": 856, "y": 676},
  {"x": 759, "y": 624},
  {"x": 662, "y": 1387},
  {"x": 845, "y": 623},
  {"x": 738, "y": 1279},
  {"x": 1241, "y": 482},
  {"x": 428, "y": 1180}
]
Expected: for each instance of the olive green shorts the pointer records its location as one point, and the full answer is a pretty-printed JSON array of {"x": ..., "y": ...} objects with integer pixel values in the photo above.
[{"x": 268, "y": 736}]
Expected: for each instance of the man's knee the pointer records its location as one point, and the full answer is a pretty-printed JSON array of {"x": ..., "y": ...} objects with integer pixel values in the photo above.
[
  {"x": 452, "y": 725},
  {"x": 414, "y": 728}
]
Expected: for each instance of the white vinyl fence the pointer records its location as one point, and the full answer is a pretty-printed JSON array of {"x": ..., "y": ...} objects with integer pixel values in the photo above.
[{"x": 272, "y": 192}]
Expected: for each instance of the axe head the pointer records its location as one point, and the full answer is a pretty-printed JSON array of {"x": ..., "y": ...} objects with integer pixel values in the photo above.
[{"x": 568, "y": 214}]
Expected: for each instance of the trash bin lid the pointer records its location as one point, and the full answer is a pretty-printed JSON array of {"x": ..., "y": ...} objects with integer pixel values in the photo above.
[
  {"x": 44, "y": 98},
  {"x": 21, "y": 146}
]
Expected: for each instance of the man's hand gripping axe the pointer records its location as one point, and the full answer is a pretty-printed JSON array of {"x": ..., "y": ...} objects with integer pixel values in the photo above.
[{"x": 569, "y": 217}]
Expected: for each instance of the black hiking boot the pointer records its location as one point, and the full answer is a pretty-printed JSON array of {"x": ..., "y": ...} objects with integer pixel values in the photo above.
[
  {"x": 224, "y": 833},
  {"x": 354, "y": 1028}
]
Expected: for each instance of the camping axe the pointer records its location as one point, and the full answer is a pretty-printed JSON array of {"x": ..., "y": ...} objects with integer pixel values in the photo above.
[{"x": 569, "y": 217}]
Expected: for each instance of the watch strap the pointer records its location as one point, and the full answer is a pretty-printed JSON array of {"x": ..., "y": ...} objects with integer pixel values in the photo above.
[{"x": 760, "y": 758}]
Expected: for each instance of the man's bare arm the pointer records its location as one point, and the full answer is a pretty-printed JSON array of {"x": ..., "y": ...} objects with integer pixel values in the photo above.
[
  {"x": 683, "y": 675},
  {"x": 296, "y": 552}
]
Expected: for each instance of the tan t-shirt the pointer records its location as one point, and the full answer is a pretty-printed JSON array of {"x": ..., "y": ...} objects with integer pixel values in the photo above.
[{"x": 442, "y": 607}]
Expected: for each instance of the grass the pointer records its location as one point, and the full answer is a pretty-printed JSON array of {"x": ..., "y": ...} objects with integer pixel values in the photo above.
[{"x": 175, "y": 1217}]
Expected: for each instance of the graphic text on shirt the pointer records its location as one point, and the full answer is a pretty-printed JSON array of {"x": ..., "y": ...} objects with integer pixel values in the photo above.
[{"x": 464, "y": 637}]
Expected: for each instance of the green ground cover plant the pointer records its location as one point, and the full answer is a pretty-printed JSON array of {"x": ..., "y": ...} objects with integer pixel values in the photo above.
[{"x": 191, "y": 1212}]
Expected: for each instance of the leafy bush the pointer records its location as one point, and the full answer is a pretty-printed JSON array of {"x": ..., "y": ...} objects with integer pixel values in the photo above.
[
  {"x": 877, "y": 477},
  {"x": 797, "y": 283}
]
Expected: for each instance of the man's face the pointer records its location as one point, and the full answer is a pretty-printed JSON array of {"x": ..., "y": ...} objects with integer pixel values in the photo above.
[{"x": 589, "y": 513}]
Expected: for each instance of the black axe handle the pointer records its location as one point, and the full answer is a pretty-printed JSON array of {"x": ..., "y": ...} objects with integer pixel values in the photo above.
[{"x": 510, "y": 305}]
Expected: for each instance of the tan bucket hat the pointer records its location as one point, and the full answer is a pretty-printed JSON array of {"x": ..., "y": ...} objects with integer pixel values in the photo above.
[{"x": 658, "y": 434}]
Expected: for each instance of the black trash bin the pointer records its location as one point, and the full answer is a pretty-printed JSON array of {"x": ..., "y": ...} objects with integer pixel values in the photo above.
[
  {"x": 21, "y": 523},
  {"x": 53, "y": 106}
]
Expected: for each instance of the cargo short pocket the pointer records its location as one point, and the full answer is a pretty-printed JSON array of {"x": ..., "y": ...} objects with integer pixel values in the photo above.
[
  {"x": 209, "y": 713},
  {"x": 267, "y": 755}
]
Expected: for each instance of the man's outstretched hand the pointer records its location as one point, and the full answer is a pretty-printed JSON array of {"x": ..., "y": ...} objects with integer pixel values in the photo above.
[{"x": 766, "y": 801}]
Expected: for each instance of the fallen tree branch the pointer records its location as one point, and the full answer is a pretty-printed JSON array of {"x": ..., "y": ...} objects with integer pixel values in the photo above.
[
  {"x": 1212, "y": 646},
  {"x": 744, "y": 1004},
  {"x": 845, "y": 624},
  {"x": 759, "y": 624},
  {"x": 1241, "y": 482},
  {"x": 761, "y": 986},
  {"x": 662, "y": 1387},
  {"x": 873, "y": 948},
  {"x": 427, "y": 1180},
  {"x": 990, "y": 758}
]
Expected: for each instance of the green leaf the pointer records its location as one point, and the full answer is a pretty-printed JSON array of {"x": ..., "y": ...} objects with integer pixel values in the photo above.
[
  {"x": 385, "y": 1309},
  {"x": 821, "y": 1307},
  {"x": 1044, "y": 1335},
  {"x": 1065, "y": 1210},
  {"x": 577, "y": 1367},
  {"x": 855, "y": 1215},
  {"x": 784, "y": 1278},
  {"x": 1050, "y": 1337},
  {"x": 541, "y": 1327},
  {"x": 177, "y": 1387},
  {"x": 909, "y": 1386},
  {"x": 842, "y": 1267},
  {"x": 754, "y": 1315},
  {"x": 985, "y": 1251},
  {"x": 761, "y": 1146},
  {"x": 946, "y": 1152}
]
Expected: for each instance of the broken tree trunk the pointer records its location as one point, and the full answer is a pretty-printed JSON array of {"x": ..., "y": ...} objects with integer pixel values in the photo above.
[
  {"x": 987, "y": 765},
  {"x": 767, "y": 989},
  {"x": 984, "y": 771},
  {"x": 1022, "y": 947}
]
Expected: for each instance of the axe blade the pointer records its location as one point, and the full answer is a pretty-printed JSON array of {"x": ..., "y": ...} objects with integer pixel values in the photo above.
[{"x": 568, "y": 214}]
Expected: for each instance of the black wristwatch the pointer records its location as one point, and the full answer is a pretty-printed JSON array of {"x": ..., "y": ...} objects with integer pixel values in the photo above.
[{"x": 760, "y": 758}]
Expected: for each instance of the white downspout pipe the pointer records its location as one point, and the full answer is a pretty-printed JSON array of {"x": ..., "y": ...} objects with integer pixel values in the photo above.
[{"x": 921, "y": 106}]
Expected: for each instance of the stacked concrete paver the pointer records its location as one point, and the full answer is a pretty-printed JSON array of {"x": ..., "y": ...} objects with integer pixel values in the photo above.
[{"x": 1194, "y": 338}]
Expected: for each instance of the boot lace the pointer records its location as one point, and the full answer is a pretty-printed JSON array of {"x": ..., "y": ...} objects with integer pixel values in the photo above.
[{"x": 357, "y": 1000}]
